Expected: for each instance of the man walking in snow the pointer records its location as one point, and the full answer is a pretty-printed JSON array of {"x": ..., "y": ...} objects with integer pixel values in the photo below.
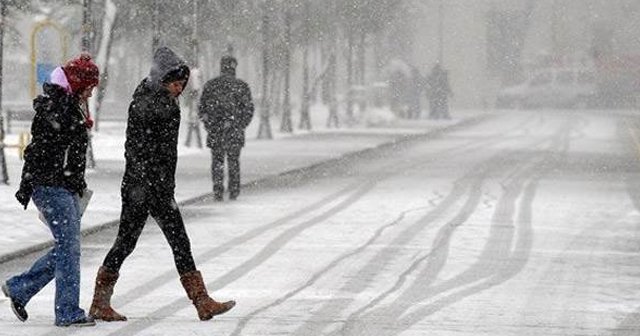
[
  {"x": 226, "y": 109},
  {"x": 148, "y": 187},
  {"x": 438, "y": 92}
]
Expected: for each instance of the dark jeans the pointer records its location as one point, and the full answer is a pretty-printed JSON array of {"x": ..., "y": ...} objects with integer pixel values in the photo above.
[
  {"x": 439, "y": 108},
  {"x": 218, "y": 156},
  {"x": 137, "y": 205}
]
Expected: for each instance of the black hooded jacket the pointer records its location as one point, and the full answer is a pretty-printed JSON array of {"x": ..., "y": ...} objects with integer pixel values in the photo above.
[
  {"x": 56, "y": 156},
  {"x": 226, "y": 109},
  {"x": 151, "y": 148}
]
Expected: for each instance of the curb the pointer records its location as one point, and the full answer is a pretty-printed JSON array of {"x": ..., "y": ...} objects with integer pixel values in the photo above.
[{"x": 403, "y": 139}]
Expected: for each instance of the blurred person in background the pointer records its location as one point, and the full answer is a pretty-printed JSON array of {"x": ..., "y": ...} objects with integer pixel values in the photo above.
[
  {"x": 226, "y": 109},
  {"x": 438, "y": 93},
  {"x": 414, "y": 93}
]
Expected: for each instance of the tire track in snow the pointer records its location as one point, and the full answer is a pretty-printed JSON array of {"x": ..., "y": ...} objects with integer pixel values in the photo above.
[
  {"x": 514, "y": 263},
  {"x": 149, "y": 286},
  {"x": 456, "y": 193},
  {"x": 471, "y": 187},
  {"x": 489, "y": 265},
  {"x": 145, "y": 288},
  {"x": 261, "y": 256},
  {"x": 441, "y": 244},
  {"x": 486, "y": 270},
  {"x": 316, "y": 276},
  {"x": 448, "y": 201},
  {"x": 629, "y": 325},
  {"x": 272, "y": 247},
  {"x": 365, "y": 275}
]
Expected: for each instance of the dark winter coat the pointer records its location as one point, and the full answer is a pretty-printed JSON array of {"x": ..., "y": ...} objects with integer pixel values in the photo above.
[
  {"x": 438, "y": 84},
  {"x": 151, "y": 147},
  {"x": 226, "y": 109},
  {"x": 56, "y": 156}
]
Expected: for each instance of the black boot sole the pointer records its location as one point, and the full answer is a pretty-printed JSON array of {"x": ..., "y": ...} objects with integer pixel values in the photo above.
[{"x": 20, "y": 316}]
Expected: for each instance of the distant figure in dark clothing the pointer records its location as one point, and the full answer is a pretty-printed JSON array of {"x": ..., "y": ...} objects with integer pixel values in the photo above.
[
  {"x": 438, "y": 92},
  {"x": 148, "y": 187},
  {"x": 226, "y": 109},
  {"x": 414, "y": 93},
  {"x": 398, "y": 93}
]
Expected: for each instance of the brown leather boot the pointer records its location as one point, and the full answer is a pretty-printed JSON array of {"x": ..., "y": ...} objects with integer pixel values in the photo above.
[
  {"x": 101, "y": 305},
  {"x": 197, "y": 293}
]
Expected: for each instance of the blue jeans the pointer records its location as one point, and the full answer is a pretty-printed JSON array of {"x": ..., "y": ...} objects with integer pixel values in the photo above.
[{"x": 62, "y": 262}]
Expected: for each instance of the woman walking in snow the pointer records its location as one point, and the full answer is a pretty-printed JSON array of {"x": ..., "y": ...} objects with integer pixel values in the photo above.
[
  {"x": 53, "y": 177},
  {"x": 148, "y": 187}
]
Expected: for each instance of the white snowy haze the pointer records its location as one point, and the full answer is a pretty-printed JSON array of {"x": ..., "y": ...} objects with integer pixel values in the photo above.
[
  {"x": 485, "y": 45},
  {"x": 412, "y": 167}
]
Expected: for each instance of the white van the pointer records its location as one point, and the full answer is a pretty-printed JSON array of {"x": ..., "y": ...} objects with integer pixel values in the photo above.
[{"x": 555, "y": 88}]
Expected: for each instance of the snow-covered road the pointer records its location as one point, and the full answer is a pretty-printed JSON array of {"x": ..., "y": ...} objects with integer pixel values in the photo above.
[{"x": 525, "y": 224}]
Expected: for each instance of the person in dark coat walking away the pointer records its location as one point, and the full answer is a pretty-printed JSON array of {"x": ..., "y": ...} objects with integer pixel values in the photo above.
[
  {"x": 226, "y": 109},
  {"x": 148, "y": 187},
  {"x": 414, "y": 93},
  {"x": 438, "y": 92},
  {"x": 398, "y": 85},
  {"x": 53, "y": 177}
]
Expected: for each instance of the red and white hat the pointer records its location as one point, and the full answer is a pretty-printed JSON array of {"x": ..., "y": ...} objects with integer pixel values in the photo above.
[{"x": 81, "y": 73}]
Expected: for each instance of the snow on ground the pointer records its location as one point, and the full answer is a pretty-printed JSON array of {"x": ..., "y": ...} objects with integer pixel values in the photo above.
[
  {"x": 260, "y": 158},
  {"x": 388, "y": 254}
]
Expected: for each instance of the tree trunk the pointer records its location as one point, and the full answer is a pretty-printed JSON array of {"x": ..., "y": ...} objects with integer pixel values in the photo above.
[
  {"x": 362, "y": 66},
  {"x": 3, "y": 162},
  {"x": 264, "y": 129},
  {"x": 86, "y": 26},
  {"x": 155, "y": 26},
  {"x": 192, "y": 91},
  {"x": 102, "y": 59},
  {"x": 305, "y": 113},
  {"x": 333, "y": 120},
  {"x": 286, "y": 124},
  {"x": 377, "y": 54},
  {"x": 275, "y": 93},
  {"x": 350, "y": 77},
  {"x": 305, "y": 118}
]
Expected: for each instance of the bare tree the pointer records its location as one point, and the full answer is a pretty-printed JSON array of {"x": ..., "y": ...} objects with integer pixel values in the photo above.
[{"x": 264, "y": 129}]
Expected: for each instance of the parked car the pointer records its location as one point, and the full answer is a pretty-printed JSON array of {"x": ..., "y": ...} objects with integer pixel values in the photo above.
[{"x": 555, "y": 88}]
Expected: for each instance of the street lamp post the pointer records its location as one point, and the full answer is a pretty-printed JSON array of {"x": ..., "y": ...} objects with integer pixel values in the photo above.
[{"x": 440, "y": 31}]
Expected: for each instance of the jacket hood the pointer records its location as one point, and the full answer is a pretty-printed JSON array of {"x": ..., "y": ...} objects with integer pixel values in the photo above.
[
  {"x": 52, "y": 93},
  {"x": 164, "y": 62}
]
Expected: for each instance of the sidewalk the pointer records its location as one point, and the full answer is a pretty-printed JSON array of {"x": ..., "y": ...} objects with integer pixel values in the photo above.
[{"x": 23, "y": 232}]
